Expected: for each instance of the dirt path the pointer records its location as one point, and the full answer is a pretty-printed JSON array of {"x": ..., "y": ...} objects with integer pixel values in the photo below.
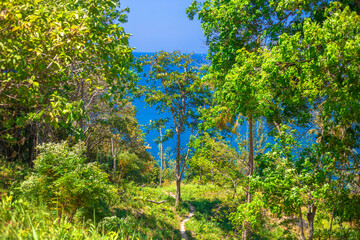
[{"x": 182, "y": 224}]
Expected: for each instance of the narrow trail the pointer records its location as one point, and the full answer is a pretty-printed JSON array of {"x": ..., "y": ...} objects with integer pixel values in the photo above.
[{"x": 182, "y": 224}]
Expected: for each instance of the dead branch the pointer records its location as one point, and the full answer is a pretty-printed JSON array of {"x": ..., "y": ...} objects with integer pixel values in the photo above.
[{"x": 152, "y": 201}]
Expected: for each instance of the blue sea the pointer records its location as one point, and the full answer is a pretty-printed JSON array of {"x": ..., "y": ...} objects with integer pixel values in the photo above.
[{"x": 145, "y": 114}]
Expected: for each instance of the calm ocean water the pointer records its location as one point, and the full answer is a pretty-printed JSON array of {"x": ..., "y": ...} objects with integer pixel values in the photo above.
[{"x": 145, "y": 114}]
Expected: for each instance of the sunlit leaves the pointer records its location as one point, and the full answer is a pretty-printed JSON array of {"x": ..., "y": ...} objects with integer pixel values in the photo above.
[
  {"x": 62, "y": 52},
  {"x": 171, "y": 87}
]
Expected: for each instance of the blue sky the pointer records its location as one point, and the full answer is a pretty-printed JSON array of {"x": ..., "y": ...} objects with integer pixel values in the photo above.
[{"x": 163, "y": 25}]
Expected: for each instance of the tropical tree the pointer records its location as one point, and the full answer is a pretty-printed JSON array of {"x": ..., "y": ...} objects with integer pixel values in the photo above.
[
  {"x": 290, "y": 62},
  {"x": 318, "y": 68},
  {"x": 52, "y": 67},
  {"x": 173, "y": 87},
  {"x": 114, "y": 139}
]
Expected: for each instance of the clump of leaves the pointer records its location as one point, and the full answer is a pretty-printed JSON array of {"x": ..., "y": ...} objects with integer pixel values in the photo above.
[{"x": 63, "y": 180}]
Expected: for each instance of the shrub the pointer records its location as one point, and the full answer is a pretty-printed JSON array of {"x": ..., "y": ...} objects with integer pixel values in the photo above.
[
  {"x": 11, "y": 174},
  {"x": 64, "y": 181}
]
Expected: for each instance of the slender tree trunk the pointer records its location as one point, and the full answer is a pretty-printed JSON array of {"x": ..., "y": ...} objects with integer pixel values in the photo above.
[
  {"x": 235, "y": 186},
  {"x": 178, "y": 193},
  {"x": 113, "y": 151},
  {"x": 302, "y": 235},
  {"x": 246, "y": 232},
  {"x": 178, "y": 172},
  {"x": 251, "y": 148},
  {"x": 161, "y": 157},
  {"x": 32, "y": 142},
  {"x": 277, "y": 127},
  {"x": 37, "y": 138},
  {"x": 200, "y": 176},
  {"x": 332, "y": 218},
  {"x": 212, "y": 171},
  {"x": 311, "y": 210}
]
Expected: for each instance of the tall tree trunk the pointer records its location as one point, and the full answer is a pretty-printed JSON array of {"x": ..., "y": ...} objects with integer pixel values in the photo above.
[
  {"x": 251, "y": 148},
  {"x": 246, "y": 231},
  {"x": 161, "y": 157},
  {"x": 302, "y": 235},
  {"x": 37, "y": 138},
  {"x": 212, "y": 170},
  {"x": 200, "y": 176},
  {"x": 178, "y": 193},
  {"x": 332, "y": 218},
  {"x": 178, "y": 172},
  {"x": 32, "y": 143},
  {"x": 82, "y": 96},
  {"x": 113, "y": 151},
  {"x": 311, "y": 210}
]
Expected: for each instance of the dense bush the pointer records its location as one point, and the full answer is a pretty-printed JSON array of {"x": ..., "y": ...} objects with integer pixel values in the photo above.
[
  {"x": 64, "y": 181},
  {"x": 135, "y": 167}
]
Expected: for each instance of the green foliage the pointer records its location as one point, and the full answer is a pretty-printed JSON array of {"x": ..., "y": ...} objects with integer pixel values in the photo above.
[
  {"x": 251, "y": 213},
  {"x": 216, "y": 161},
  {"x": 116, "y": 131},
  {"x": 113, "y": 224},
  {"x": 135, "y": 168},
  {"x": 64, "y": 181},
  {"x": 174, "y": 87},
  {"x": 20, "y": 219},
  {"x": 232, "y": 25},
  {"x": 147, "y": 219},
  {"x": 305, "y": 68},
  {"x": 347, "y": 208},
  {"x": 56, "y": 58},
  {"x": 292, "y": 177},
  {"x": 169, "y": 167},
  {"x": 296, "y": 63}
]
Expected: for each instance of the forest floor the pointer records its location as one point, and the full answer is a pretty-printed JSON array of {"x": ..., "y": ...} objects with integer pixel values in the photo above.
[
  {"x": 196, "y": 218},
  {"x": 138, "y": 213}
]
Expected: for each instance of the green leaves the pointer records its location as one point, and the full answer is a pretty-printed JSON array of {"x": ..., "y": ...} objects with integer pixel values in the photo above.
[
  {"x": 58, "y": 57},
  {"x": 296, "y": 63},
  {"x": 171, "y": 88},
  {"x": 64, "y": 182},
  {"x": 216, "y": 160}
]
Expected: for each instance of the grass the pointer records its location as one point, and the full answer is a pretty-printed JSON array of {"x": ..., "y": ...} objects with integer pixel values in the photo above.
[
  {"x": 22, "y": 220},
  {"x": 208, "y": 221},
  {"x": 132, "y": 216}
]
